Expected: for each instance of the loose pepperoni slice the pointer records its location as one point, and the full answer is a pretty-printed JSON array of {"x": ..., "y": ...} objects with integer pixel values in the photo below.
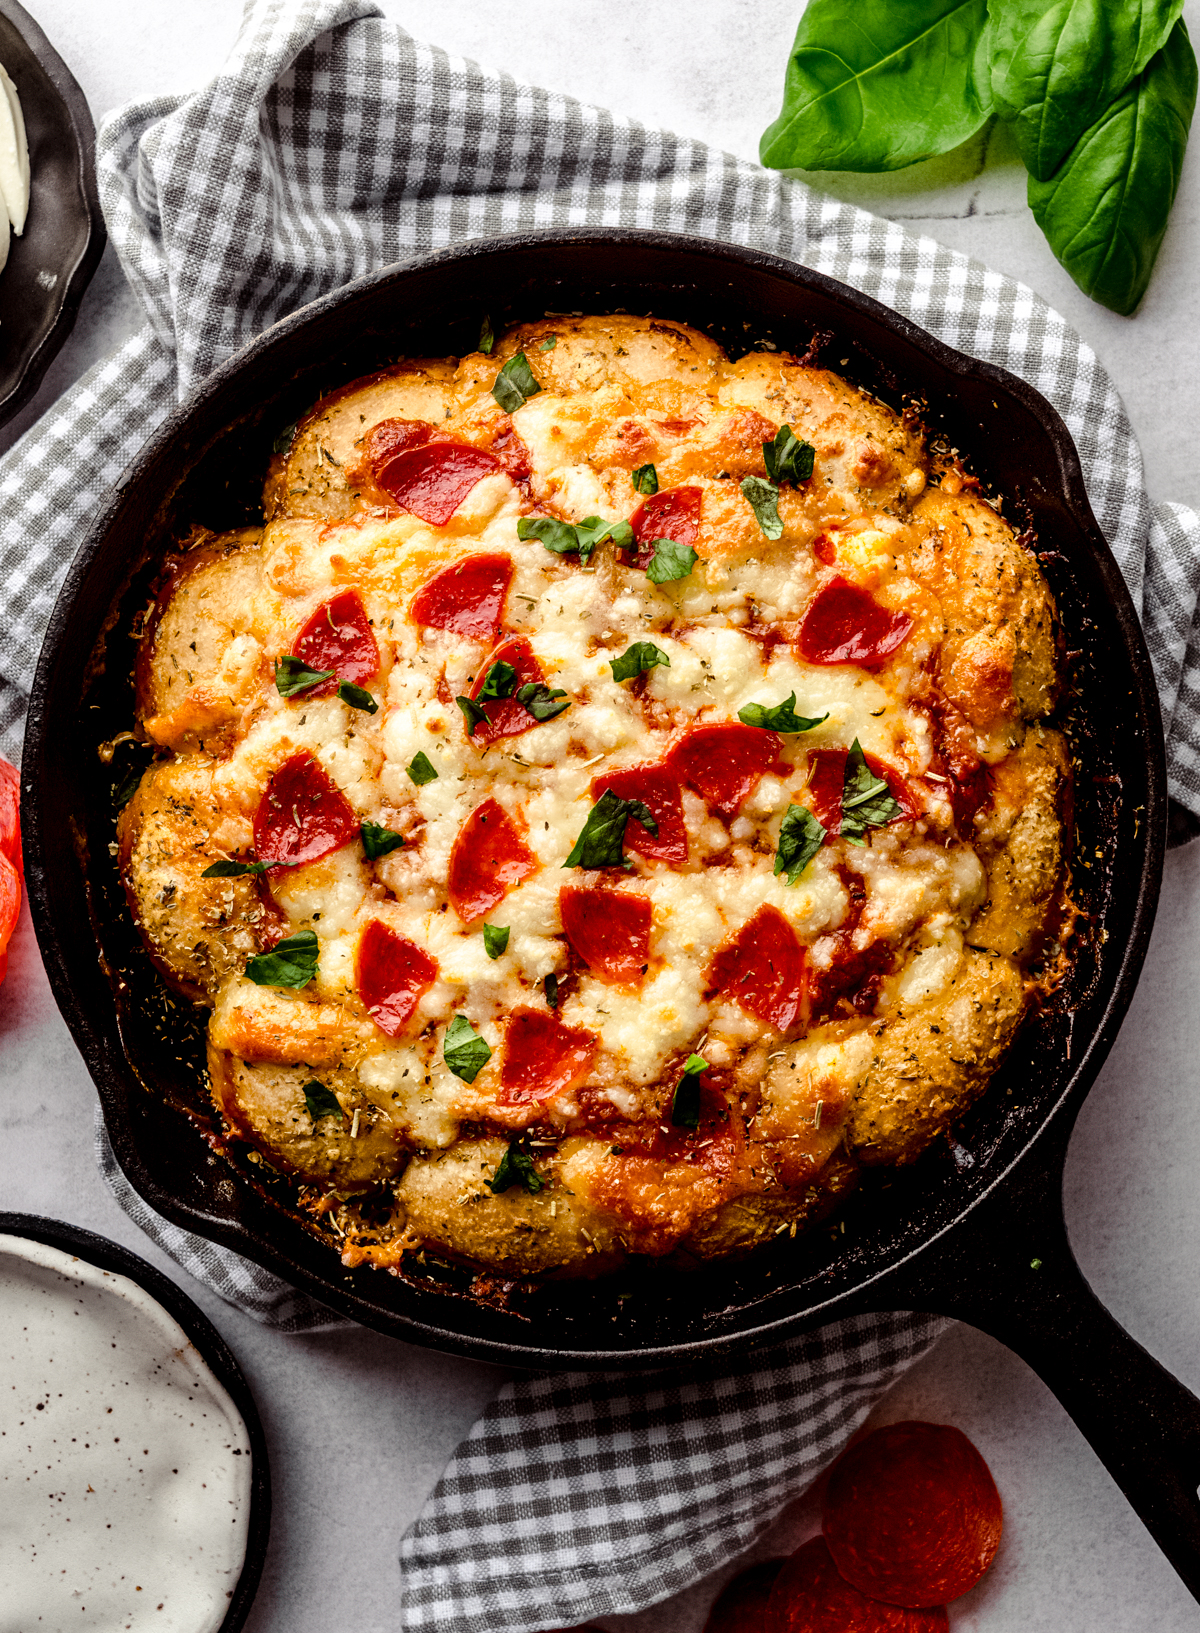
[
  {"x": 674, "y": 514},
  {"x": 658, "y": 789},
  {"x": 487, "y": 859},
  {"x": 10, "y": 905},
  {"x": 763, "y": 970},
  {"x": 10, "y": 815},
  {"x": 723, "y": 763},
  {"x": 845, "y": 624},
  {"x": 742, "y": 1604},
  {"x": 810, "y": 1596},
  {"x": 391, "y": 974},
  {"x": 302, "y": 815},
  {"x": 912, "y": 1514},
  {"x": 433, "y": 480},
  {"x": 609, "y": 929},
  {"x": 542, "y": 1056},
  {"x": 505, "y": 716},
  {"x": 338, "y": 636},
  {"x": 467, "y": 598},
  {"x": 827, "y": 778}
]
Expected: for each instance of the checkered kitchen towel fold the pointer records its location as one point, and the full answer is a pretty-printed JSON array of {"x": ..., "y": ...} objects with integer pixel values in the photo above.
[{"x": 331, "y": 144}]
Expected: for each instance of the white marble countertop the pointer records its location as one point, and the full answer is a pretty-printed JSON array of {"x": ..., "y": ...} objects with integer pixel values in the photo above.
[{"x": 360, "y": 1425}]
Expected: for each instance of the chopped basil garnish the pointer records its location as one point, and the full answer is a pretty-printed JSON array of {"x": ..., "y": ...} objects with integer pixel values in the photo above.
[
  {"x": 379, "y": 841},
  {"x": 635, "y": 660},
  {"x": 495, "y": 939},
  {"x": 487, "y": 336},
  {"x": 550, "y": 987},
  {"x": 763, "y": 499},
  {"x": 321, "y": 1102},
  {"x": 779, "y": 716},
  {"x": 472, "y": 714},
  {"x": 645, "y": 479},
  {"x": 787, "y": 458},
  {"x": 285, "y": 439},
  {"x": 290, "y": 963},
  {"x": 421, "y": 770},
  {"x": 541, "y": 702},
  {"x": 516, "y": 1168},
  {"x": 233, "y": 870},
  {"x": 515, "y": 384},
  {"x": 292, "y": 675},
  {"x": 800, "y": 838},
  {"x": 867, "y": 801},
  {"x": 464, "y": 1051},
  {"x": 357, "y": 697},
  {"x": 549, "y": 345},
  {"x": 571, "y": 538},
  {"x": 499, "y": 682},
  {"x": 685, "y": 1105},
  {"x": 600, "y": 844},
  {"x": 671, "y": 560}
]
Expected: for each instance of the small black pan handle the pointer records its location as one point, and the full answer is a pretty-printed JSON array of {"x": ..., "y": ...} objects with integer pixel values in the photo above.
[{"x": 1007, "y": 1268}]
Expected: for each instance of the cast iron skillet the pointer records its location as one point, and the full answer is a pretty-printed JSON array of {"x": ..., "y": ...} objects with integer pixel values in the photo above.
[
  {"x": 974, "y": 1230},
  {"x": 106, "y": 1255}
]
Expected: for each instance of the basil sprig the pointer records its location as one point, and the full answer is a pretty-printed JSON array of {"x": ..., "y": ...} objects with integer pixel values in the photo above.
[
  {"x": 379, "y": 841},
  {"x": 516, "y": 1168},
  {"x": 644, "y": 479},
  {"x": 285, "y": 438},
  {"x": 540, "y": 701},
  {"x": 290, "y": 963},
  {"x": 671, "y": 560},
  {"x": 636, "y": 659},
  {"x": 763, "y": 498},
  {"x": 574, "y": 538},
  {"x": 233, "y": 870},
  {"x": 779, "y": 716},
  {"x": 800, "y": 838},
  {"x": 464, "y": 1051},
  {"x": 293, "y": 676},
  {"x": 515, "y": 384},
  {"x": 495, "y": 939},
  {"x": 602, "y": 839},
  {"x": 421, "y": 770},
  {"x": 499, "y": 682},
  {"x": 473, "y": 713},
  {"x": 867, "y": 801},
  {"x": 487, "y": 336},
  {"x": 787, "y": 458},
  {"x": 357, "y": 697},
  {"x": 685, "y": 1103},
  {"x": 321, "y": 1102},
  {"x": 549, "y": 345}
]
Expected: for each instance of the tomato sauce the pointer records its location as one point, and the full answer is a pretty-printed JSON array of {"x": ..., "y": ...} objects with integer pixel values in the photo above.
[
  {"x": 339, "y": 636},
  {"x": 845, "y": 624},
  {"x": 302, "y": 816},
  {"x": 487, "y": 859},
  {"x": 392, "y": 974},
  {"x": 724, "y": 762},
  {"x": 466, "y": 598}
]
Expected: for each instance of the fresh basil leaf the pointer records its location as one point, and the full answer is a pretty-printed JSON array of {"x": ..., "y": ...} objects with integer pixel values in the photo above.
[
  {"x": 464, "y": 1051},
  {"x": 233, "y": 870},
  {"x": 602, "y": 839},
  {"x": 695, "y": 1063},
  {"x": 515, "y": 384},
  {"x": 867, "y": 801},
  {"x": 877, "y": 86},
  {"x": 321, "y": 1102},
  {"x": 636, "y": 659},
  {"x": 593, "y": 530},
  {"x": 569, "y": 538},
  {"x": 285, "y": 439},
  {"x": 379, "y": 841},
  {"x": 685, "y": 1103},
  {"x": 549, "y": 345},
  {"x": 1056, "y": 67},
  {"x": 495, "y": 939},
  {"x": 550, "y": 988},
  {"x": 779, "y": 716},
  {"x": 487, "y": 336},
  {"x": 137, "y": 757},
  {"x": 516, "y": 1168},
  {"x": 542, "y": 703},
  {"x": 644, "y": 479},
  {"x": 1104, "y": 211},
  {"x": 763, "y": 499},
  {"x": 800, "y": 838},
  {"x": 357, "y": 697},
  {"x": 421, "y": 770},
  {"x": 292, "y": 675},
  {"x": 472, "y": 714},
  {"x": 290, "y": 963},
  {"x": 787, "y": 458},
  {"x": 499, "y": 682},
  {"x": 671, "y": 561}
]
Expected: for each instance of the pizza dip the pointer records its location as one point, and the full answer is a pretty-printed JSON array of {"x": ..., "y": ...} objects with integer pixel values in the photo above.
[{"x": 607, "y": 803}]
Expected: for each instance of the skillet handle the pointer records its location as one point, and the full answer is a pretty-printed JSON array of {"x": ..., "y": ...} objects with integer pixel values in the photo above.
[{"x": 1008, "y": 1269}]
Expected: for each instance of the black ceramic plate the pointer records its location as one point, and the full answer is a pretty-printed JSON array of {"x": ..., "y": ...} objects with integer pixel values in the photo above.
[
  {"x": 52, "y": 263},
  {"x": 106, "y": 1255}
]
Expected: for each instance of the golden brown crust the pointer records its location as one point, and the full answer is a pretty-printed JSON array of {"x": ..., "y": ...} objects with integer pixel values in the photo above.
[{"x": 1022, "y": 847}]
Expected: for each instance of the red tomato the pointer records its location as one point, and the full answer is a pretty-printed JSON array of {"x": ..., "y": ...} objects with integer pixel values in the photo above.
[
  {"x": 542, "y": 1056},
  {"x": 10, "y": 815},
  {"x": 724, "y": 762},
  {"x": 466, "y": 598},
  {"x": 433, "y": 480},
  {"x": 673, "y": 514},
  {"x": 302, "y": 815},
  {"x": 763, "y": 970},
  {"x": 391, "y": 974},
  {"x": 505, "y": 716},
  {"x": 338, "y": 636},
  {"x": 810, "y": 1596},
  {"x": 845, "y": 624},
  {"x": 609, "y": 929},
  {"x": 659, "y": 791},
  {"x": 742, "y": 1603},
  {"x": 10, "y": 905},
  {"x": 912, "y": 1514},
  {"x": 487, "y": 859},
  {"x": 827, "y": 778}
]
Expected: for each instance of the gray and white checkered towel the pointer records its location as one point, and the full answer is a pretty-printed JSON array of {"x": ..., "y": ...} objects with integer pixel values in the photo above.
[{"x": 331, "y": 144}]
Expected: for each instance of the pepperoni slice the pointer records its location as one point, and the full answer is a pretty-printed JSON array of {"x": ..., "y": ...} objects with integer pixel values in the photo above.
[
  {"x": 10, "y": 815},
  {"x": 658, "y": 789},
  {"x": 302, "y": 815},
  {"x": 391, "y": 973},
  {"x": 723, "y": 763},
  {"x": 827, "y": 778},
  {"x": 673, "y": 514},
  {"x": 912, "y": 1514},
  {"x": 609, "y": 929},
  {"x": 339, "y": 636},
  {"x": 845, "y": 624},
  {"x": 741, "y": 1605},
  {"x": 392, "y": 437},
  {"x": 505, "y": 716},
  {"x": 466, "y": 598},
  {"x": 433, "y": 480},
  {"x": 487, "y": 859},
  {"x": 810, "y": 1596},
  {"x": 10, "y": 906},
  {"x": 763, "y": 970},
  {"x": 542, "y": 1056}
]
